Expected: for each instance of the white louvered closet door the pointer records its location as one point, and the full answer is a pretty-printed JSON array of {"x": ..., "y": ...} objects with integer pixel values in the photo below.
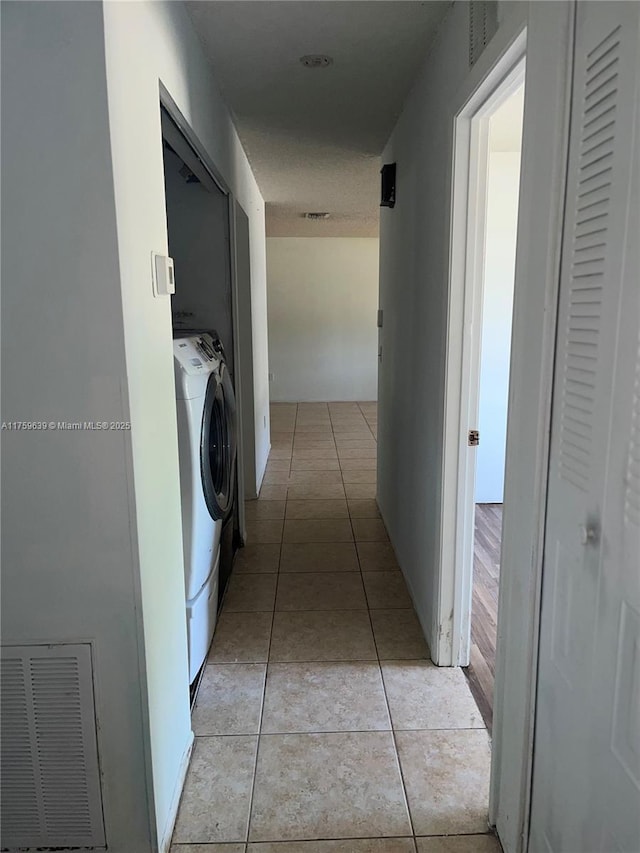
[{"x": 586, "y": 776}]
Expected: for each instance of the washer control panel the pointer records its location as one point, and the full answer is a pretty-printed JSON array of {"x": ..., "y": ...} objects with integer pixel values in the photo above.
[{"x": 196, "y": 354}]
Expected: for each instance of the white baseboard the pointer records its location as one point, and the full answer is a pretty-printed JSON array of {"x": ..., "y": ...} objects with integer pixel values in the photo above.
[{"x": 167, "y": 835}]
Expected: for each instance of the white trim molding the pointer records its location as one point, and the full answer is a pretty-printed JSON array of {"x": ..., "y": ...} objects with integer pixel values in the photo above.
[
  {"x": 502, "y": 73},
  {"x": 167, "y": 835}
]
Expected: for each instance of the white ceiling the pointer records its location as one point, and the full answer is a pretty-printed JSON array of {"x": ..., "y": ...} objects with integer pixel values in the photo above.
[{"x": 314, "y": 136}]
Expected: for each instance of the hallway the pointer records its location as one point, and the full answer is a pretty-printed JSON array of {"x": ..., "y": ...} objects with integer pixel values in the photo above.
[{"x": 320, "y": 719}]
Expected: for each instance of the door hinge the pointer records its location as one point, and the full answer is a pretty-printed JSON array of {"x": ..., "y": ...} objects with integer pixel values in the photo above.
[{"x": 474, "y": 438}]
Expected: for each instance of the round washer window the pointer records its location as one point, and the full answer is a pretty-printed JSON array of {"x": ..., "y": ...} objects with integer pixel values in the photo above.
[{"x": 215, "y": 451}]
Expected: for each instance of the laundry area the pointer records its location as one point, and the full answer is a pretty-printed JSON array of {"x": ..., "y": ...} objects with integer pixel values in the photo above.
[{"x": 203, "y": 344}]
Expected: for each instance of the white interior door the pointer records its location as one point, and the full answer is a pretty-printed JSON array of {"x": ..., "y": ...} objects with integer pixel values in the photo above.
[{"x": 586, "y": 776}]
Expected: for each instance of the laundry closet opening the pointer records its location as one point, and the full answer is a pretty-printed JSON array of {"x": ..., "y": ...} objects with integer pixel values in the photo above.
[{"x": 199, "y": 234}]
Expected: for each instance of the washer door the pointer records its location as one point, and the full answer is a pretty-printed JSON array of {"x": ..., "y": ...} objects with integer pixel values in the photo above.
[{"x": 217, "y": 450}]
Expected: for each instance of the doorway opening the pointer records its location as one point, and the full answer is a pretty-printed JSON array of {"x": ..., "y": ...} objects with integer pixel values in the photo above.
[
  {"x": 504, "y": 145},
  {"x": 484, "y": 214},
  {"x": 200, "y": 225}
]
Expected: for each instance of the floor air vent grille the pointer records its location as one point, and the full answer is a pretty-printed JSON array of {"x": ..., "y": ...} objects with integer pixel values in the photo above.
[{"x": 49, "y": 774}]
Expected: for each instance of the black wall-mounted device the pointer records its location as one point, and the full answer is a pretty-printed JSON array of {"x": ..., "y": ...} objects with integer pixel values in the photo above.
[{"x": 388, "y": 173}]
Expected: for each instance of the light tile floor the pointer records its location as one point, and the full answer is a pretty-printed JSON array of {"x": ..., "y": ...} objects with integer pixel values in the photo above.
[{"x": 321, "y": 725}]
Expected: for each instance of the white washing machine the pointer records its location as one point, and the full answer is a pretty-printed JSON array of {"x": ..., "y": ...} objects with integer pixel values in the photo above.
[{"x": 206, "y": 445}]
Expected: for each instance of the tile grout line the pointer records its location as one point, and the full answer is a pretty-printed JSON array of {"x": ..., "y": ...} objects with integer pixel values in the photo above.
[
  {"x": 335, "y": 731},
  {"x": 266, "y": 677},
  {"x": 388, "y": 706},
  {"x": 394, "y": 738},
  {"x": 325, "y": 609},
  {"x": 324, "y": 660},
  {"x": 266, "y": 670},
  {"x": 384, "y": 690},
  {"x": 255, "y": 762},
  {"x": 295, "y": 423},
  {"x": 324, "y": 839},
  {"x": 262, "y": 703},
  {"x": 368, "y": 424}
]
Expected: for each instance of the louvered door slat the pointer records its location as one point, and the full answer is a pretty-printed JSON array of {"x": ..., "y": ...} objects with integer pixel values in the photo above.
[{"x": 580, "y": 341}]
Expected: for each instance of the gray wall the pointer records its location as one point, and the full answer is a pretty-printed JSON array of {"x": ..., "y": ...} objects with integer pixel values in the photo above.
[
  {"x": 68, "y": 553},
  {"x": 414, "y": 268},
  {"x": 323, "y": 300},
  {"x": 414, "y": 243}
]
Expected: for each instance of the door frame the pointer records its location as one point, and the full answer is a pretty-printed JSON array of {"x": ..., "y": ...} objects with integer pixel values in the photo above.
[
  {"x": 548, "y": 29},
  {"x": 466, "y": 290},
  {"x": 241, "y": 326},
  {"x": 244, "y": 358}
]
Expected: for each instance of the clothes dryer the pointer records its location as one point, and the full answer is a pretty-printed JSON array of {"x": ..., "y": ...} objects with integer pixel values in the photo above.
[{"x": 207, "y": 449}]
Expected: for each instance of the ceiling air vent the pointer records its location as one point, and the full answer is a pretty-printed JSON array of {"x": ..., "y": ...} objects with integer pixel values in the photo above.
[
  {"x": 316, "y": 60},
  {"x": 483, "y": 23},
  {"x": 49, "y": 776},
  {"x": 313, "y": 215}
]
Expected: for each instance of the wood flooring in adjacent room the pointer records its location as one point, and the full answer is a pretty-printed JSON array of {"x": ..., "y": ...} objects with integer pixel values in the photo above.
[{"x": 484, "y": 609}]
